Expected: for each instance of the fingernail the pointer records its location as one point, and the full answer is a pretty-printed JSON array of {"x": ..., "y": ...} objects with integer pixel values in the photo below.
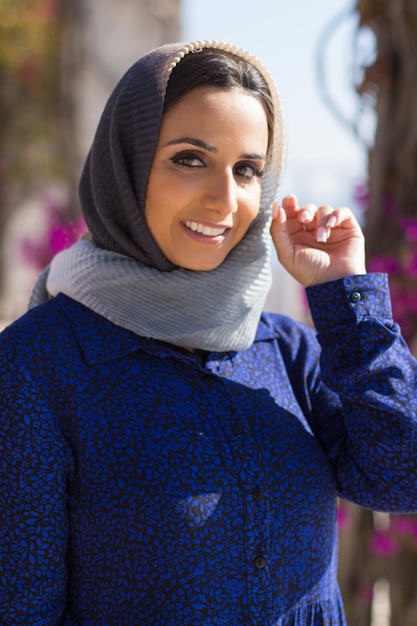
[
  {"x": 305, "y": 216},
  {"x": 321, "y": 236},
  {"x": 331, "y": 222}
]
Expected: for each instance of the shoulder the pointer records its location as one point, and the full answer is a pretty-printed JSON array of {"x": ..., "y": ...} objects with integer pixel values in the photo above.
[
  {"x": 284, "y": 329},
  {"x": 38, "y": 327},
  {"x": 64, "y": 333},
  {"x": 293, "y": 339},
  {"x": 47, "y": 332}
]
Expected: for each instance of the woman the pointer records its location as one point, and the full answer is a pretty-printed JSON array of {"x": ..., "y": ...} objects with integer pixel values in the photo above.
[{"x": 171, "y": 454}]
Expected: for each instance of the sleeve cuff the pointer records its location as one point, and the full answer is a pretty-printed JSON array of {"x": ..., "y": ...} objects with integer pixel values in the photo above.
[{"x": 349, "y": 300}]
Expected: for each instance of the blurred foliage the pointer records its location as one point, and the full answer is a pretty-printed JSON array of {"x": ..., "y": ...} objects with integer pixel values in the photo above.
[
  {"x": 384, "y": 76},
  {"x": 390, "y": 83},
  {"x": 385, "y": 81},
  {"x": 371, "y": 551},
  {"x": 59, "y": 232},
  {"x": 30, "y": 97}
]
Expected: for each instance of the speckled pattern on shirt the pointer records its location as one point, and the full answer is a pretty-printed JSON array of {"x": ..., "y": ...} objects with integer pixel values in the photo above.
[{"x": 143, "y": 487}]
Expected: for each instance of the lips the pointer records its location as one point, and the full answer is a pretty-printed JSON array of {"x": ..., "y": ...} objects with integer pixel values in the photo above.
[{"x": 202, "y": 229}]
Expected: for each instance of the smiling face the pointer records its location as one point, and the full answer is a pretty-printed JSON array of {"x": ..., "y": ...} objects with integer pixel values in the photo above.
[{"x": 204, "y": 187}]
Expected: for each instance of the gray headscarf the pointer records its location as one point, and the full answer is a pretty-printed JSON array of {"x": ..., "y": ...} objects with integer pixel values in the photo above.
[{"x": 119, "y": 271}]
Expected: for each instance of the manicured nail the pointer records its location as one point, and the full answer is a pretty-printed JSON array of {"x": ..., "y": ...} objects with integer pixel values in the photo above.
[
  {"x": 291, "y": 196},
  {"x": 331, "y": 222},
  {"x": 321, "y": 236},
  {"x": 305, "y": 216}
]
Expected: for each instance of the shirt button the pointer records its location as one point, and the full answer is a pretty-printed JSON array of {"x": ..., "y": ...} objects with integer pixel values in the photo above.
[
  {"x": 257, "y": 493},
  {"x": 355, "y": 297},
  {"x": 237, "y": 429},
  {"x": 260, "y": 562}
]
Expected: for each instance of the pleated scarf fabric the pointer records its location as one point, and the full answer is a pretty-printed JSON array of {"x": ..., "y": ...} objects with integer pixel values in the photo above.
[{"x": 119, "y": 271}]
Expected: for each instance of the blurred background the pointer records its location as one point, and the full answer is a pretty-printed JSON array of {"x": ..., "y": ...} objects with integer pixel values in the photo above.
[{"x": 347, "y": 74}]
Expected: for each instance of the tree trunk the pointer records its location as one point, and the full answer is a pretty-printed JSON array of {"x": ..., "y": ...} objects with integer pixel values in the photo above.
[
  {"x": 391, "y": 220},
  {"x": 391, "y": 235}
]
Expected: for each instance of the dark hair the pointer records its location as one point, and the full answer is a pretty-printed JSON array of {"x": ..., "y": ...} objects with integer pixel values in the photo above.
[{"x": 212, "y": 67}]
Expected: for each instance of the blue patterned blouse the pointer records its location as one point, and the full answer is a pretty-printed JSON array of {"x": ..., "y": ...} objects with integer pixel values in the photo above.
[{"x": 143, "y": 485}]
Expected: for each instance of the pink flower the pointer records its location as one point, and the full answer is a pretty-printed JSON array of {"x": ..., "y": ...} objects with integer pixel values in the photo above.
[
  {"x": 342, "y": 517},
  {"x": 62, "y": 234},
  {"x": 58, "y": 235},
  {"x": 384, "y": 263},
  {"x": 404, "y": 525},
  {"x": 383, "y": 544},
  {"x": 409, "y": 227},
  {"x": 410, "y": 299},
  {"x": 390, "y": 205},
  {"x": 411, "y": 265},
  {"x": 366, "y": 593}
]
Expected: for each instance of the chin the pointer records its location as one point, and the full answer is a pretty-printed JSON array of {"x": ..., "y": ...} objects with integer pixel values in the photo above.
[
  {"x": 201, "y": 266},
  {"x": 195, "y": 261}
]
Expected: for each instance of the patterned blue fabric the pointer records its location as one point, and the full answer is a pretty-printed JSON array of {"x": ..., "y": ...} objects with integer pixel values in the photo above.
[{"x": 141, "y": 485}]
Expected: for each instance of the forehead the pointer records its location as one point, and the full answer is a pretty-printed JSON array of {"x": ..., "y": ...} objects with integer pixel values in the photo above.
[{"x": 215, "y": 109}]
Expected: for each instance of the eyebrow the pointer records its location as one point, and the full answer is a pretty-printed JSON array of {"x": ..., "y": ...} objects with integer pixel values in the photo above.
[
  {"x": 199, "y": 143},
  {"x": 194, "y": 142}
]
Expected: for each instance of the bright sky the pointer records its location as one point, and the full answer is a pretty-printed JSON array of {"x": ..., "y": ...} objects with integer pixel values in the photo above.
[{"x": 324, "y": 160}]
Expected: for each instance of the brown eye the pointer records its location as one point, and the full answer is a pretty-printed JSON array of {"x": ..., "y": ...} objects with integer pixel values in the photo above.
[
  {"x": 188, "y": 159},
  {"x": 247, "y": 170}
]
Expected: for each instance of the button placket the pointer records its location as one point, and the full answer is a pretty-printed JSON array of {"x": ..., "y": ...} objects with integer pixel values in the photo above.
[
  {"x": 256, "y": 502},
  {"x": 260, "y": 562},
  {"x": 257, "y": 493},
  {"x": 238, "y": 428},
  {"x": 250, "y": 464}
]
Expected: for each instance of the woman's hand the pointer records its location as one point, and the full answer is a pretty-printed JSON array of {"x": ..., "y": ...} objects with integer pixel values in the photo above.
[{"x": 317, "y": 244}]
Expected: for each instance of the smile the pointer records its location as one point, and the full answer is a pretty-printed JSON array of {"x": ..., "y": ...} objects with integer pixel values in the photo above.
[{"x": 208, "y": 231}]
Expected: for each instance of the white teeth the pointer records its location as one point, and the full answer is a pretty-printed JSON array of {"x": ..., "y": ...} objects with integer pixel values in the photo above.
[{"x": 204, "y": 230}]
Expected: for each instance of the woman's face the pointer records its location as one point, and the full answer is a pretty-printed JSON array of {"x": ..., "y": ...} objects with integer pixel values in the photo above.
[{"x": 204, "y": 187}]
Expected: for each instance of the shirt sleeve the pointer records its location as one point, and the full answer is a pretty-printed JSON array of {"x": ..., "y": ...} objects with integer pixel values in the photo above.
[
  {"x": 369, "y": 433},
  {"x": 34, "y": 461}
]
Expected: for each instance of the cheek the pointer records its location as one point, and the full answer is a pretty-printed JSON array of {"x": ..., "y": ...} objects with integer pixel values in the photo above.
[
  {"x": 167, "y": 194},
  {"x": 157, "y": 202},
  {"x": 252, "y": 205}
]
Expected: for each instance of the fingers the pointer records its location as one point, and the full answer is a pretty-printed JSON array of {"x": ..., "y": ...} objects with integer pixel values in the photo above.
[
  {"x": 278, "y": 213},
  {"x": 278, "y": 226},
  {"x": 319, "y": 221}
]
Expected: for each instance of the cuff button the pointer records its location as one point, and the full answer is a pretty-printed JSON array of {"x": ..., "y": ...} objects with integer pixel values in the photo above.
[{"x": 355, "y": 297}]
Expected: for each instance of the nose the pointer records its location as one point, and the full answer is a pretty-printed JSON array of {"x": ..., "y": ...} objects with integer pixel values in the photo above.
[{"x": 221, "y": 193}]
